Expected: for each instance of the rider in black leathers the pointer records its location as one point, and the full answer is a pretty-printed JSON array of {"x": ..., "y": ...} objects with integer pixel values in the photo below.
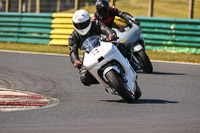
[
  {"x": 77, "y": 38},
  {"x": 106, "y": 14}
]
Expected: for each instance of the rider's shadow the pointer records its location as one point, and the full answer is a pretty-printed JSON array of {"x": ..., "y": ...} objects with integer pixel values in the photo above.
[{"x": 145, "y": 101}]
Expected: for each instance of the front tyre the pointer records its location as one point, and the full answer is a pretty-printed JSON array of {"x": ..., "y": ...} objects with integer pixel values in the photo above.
[
  {"x": 144, "y": 61},
  {"x": 138, "y": 92},
  {"x": 116, "y": 82}
]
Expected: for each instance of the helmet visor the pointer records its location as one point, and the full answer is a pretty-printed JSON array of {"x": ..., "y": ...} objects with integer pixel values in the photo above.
[{"x": 81, "y": 26}]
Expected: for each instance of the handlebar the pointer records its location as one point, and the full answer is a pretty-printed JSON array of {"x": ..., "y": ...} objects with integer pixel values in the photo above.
[{"x": 105, "y": 39}]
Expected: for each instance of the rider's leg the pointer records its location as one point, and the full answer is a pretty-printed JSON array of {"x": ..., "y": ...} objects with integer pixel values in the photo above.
[{"x": 86, "y": 78}]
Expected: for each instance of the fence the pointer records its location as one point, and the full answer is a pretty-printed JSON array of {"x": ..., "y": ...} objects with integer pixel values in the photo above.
[
  {"x": 179, "y": 35},
  {"x": 44, "y": 6},
  {"x": 43, "y": 28}
]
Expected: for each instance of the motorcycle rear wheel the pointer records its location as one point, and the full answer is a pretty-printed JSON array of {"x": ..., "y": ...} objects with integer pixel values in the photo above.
[
  {"x": 144, "y": 61},
  {"x": 118, "y": 84}
]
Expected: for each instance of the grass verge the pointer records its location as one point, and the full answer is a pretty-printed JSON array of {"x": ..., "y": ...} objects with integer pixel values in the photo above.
[
  {"x": 154, "y": 55},
  {"x": 162, "y": 8}
]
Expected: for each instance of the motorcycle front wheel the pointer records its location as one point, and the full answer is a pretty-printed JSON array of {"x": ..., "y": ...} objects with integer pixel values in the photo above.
[
  {"x": 116, "y": 82},
  {"x": 138, "y": 93},
  {"x": 144, "y": 61}
]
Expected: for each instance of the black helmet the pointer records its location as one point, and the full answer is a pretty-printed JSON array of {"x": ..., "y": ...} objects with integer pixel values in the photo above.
[{"x": 102, "y": 7}]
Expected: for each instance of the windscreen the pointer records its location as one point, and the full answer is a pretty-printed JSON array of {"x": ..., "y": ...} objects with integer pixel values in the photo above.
[{"x": 90, "y": 43}]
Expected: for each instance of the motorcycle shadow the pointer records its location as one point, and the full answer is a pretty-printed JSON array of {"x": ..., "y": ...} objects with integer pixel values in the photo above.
[
  {"x": 144, "y": 101},
  {"x": 162, "y": 73},
  {"x": 154, "y": 101}
]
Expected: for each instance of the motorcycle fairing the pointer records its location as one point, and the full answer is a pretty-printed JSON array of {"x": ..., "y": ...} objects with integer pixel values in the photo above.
[
  {"x": 131, "y": 35},
  {"x": 110, "y": 52}
]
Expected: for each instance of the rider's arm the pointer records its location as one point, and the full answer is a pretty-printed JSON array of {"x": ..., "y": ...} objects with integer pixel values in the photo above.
[
  {"x": 104, "y": 29},
  {"x": 110, "y": 33},
  {"x": 124, "y": 15},
  {"x": 73, "y": 47}
]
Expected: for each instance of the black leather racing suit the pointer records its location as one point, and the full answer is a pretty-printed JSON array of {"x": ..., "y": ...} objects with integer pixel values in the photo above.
[
  {"x": 75, "y": 42},
  {"x": 108, "y": 20}
]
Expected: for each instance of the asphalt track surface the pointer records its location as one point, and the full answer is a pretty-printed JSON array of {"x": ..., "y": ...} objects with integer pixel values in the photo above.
[{"x": 170, "y": 102}]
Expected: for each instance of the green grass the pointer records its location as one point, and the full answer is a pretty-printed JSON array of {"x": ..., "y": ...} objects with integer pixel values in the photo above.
[
  {"x": 168, "y": 56},
  {"x": 154, "y": 55},
  {"x": 34, "y": 48},
  {"x": 162, "y": 8}
]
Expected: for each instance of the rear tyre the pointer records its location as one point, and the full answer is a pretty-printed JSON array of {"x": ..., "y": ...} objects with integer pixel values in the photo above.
[
  {"x": 145, "y": 62},
  {"x": 118, "y": 84}
]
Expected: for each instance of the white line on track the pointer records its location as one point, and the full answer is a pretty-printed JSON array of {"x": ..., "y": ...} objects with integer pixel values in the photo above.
[{"x": 9, "y": 51}]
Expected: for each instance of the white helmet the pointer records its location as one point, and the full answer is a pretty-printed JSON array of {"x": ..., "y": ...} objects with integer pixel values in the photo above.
[{"x": 82, "y": 22}]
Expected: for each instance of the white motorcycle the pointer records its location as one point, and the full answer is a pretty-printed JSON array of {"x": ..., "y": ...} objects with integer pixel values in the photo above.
[
  {"x": 112, "y": 70},
  {"x": 132, "y": 37}
]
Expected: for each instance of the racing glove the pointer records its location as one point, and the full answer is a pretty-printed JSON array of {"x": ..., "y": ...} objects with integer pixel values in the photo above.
[
  {"x": 78, "y": 64},
  {"x": 135, "y": 21},
  {"x": 112, "y": 37}
]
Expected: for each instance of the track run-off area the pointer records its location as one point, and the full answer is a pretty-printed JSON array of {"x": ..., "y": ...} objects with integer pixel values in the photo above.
[{"x": 49, "y": 87}]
